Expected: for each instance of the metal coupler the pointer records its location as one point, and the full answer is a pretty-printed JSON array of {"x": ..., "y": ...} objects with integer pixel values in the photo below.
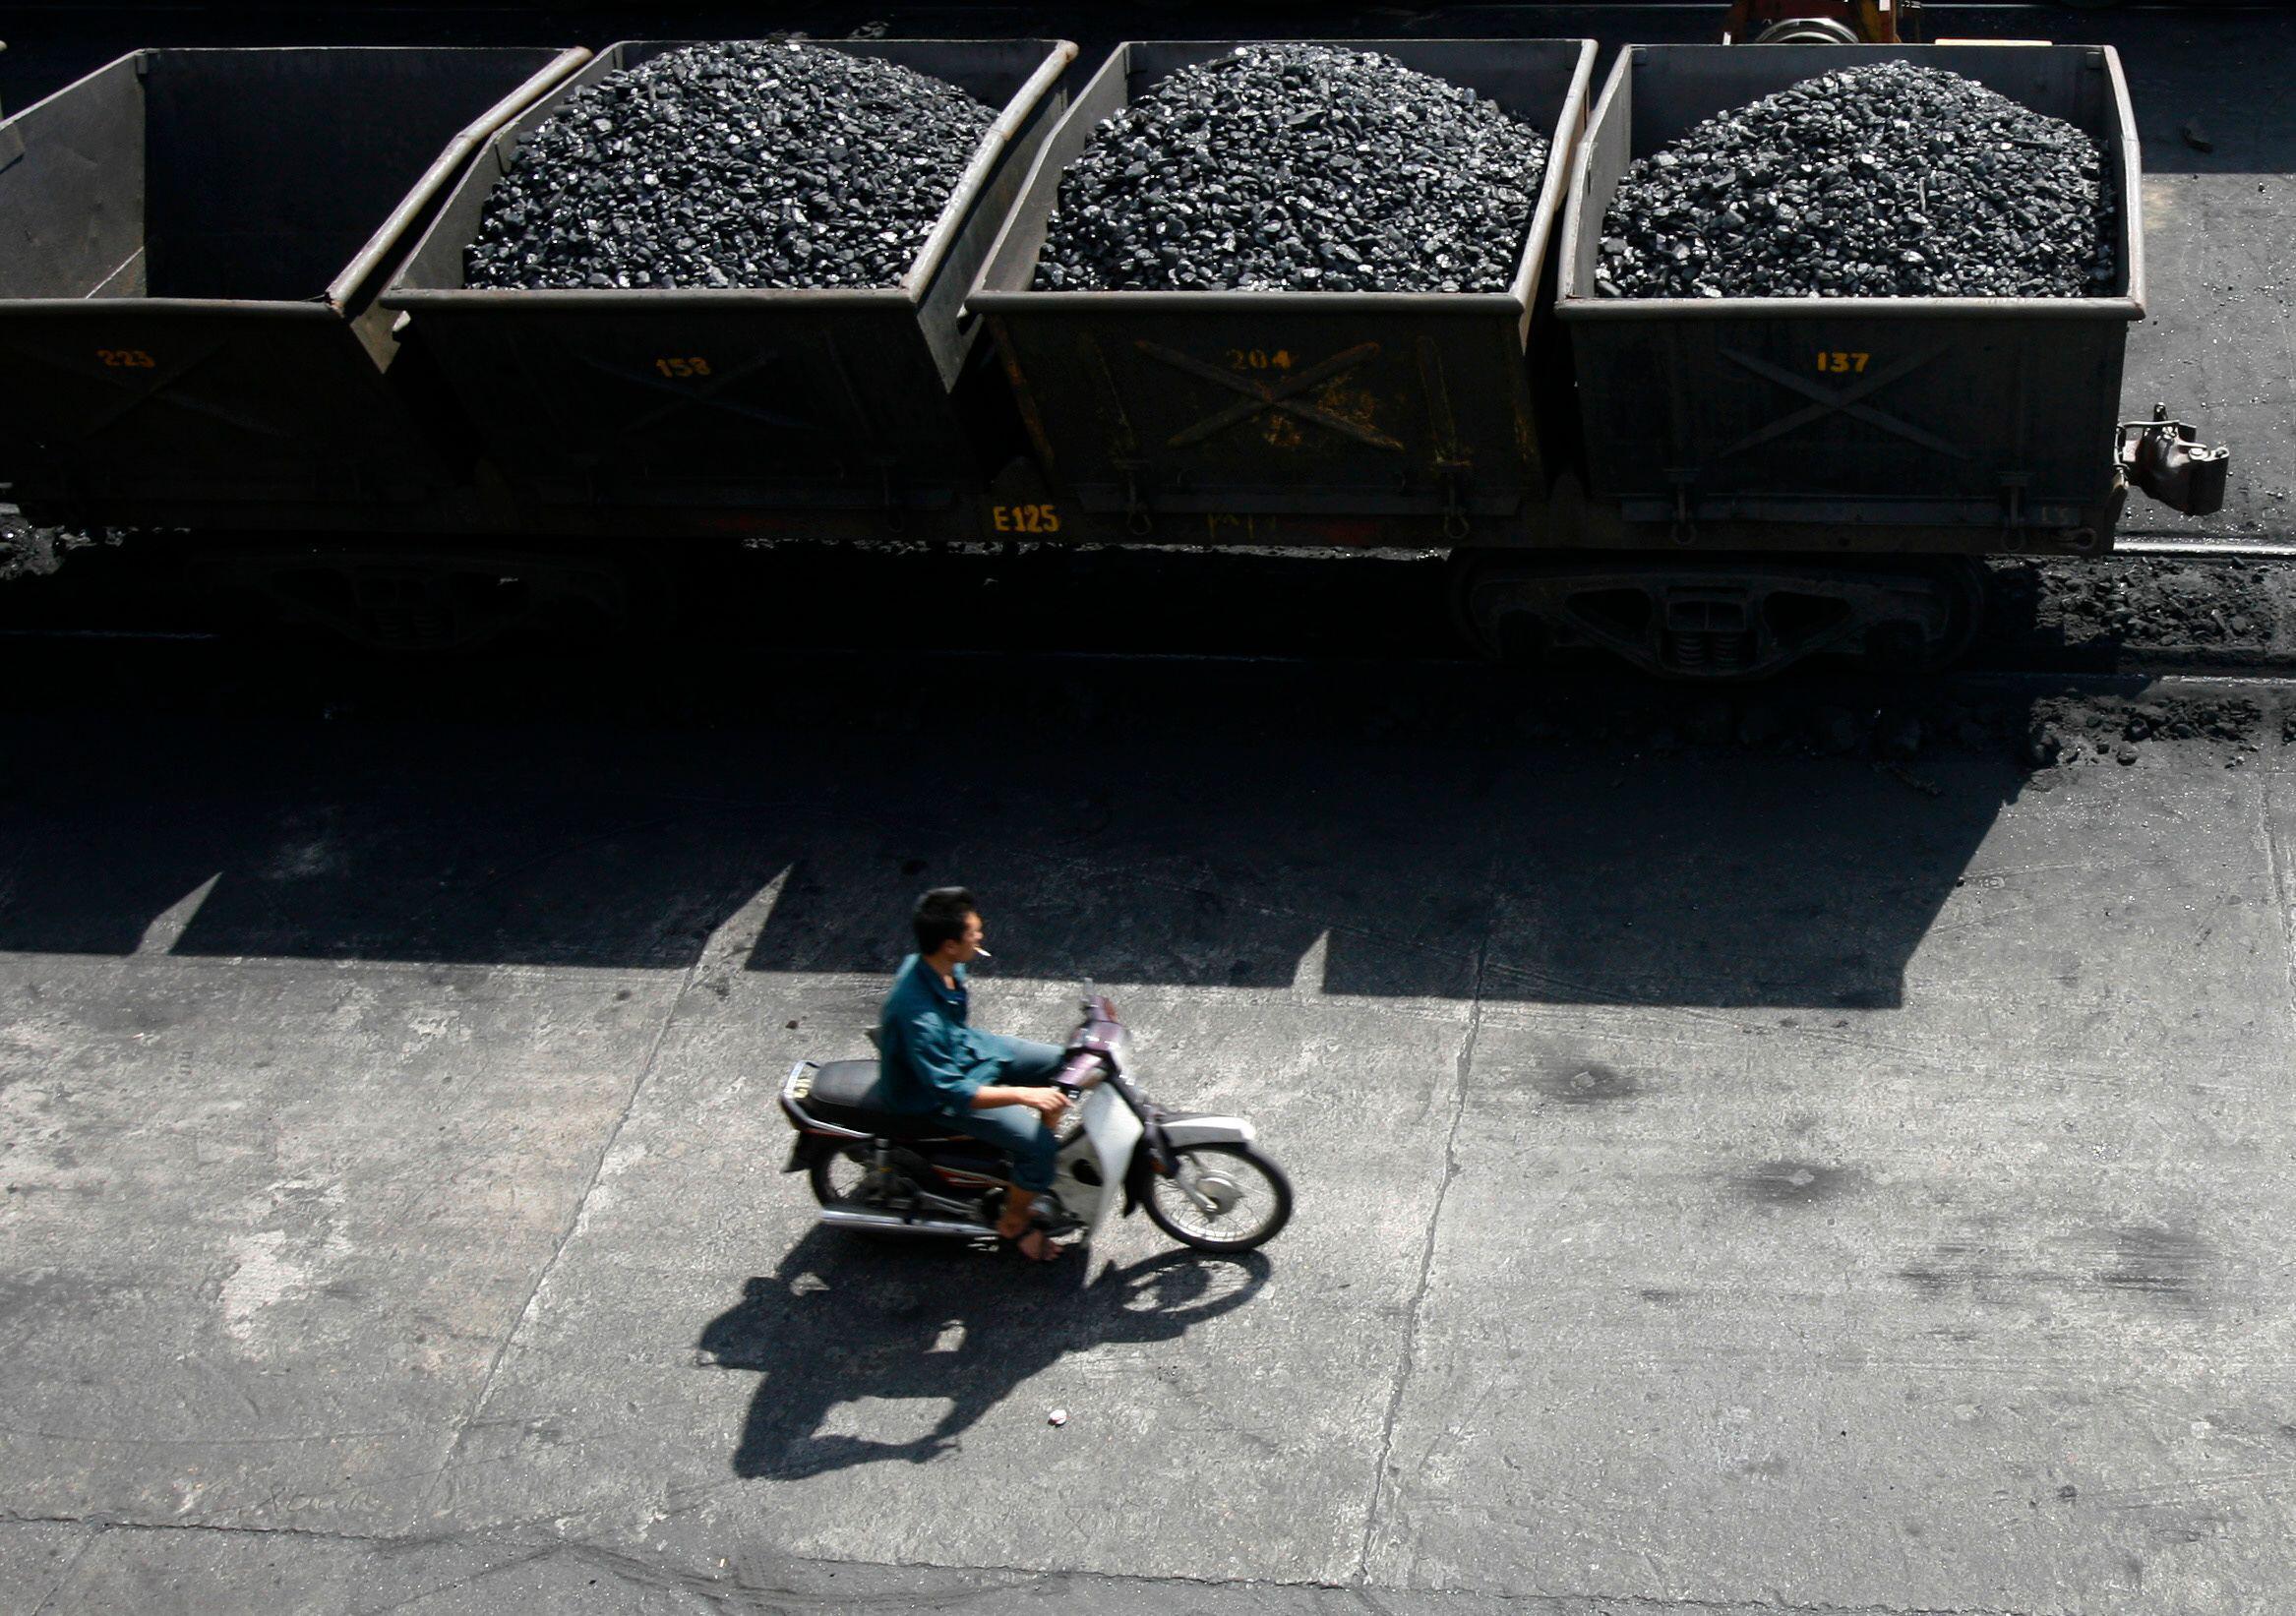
[{"x": 2167, "y": 460}]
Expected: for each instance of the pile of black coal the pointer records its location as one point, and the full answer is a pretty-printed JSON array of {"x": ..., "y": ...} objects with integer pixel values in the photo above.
[
  {"x": 1302, "y": 168},
  {"x": 24, "y": 549},
  {"x": 2069, "y": 731},
  {"x": 751, "y": 163},
  {"x": 28, "y": 552},
  {"x": 1888, "y": 180},
  {"x": 2227, "y": 610}
]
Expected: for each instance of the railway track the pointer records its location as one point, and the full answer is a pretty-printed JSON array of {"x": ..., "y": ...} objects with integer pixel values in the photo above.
[
  {"x": 2159, "y": 607},
  {"x": 1918, "y": 729},
  {"x": 2207, "y": 550}
]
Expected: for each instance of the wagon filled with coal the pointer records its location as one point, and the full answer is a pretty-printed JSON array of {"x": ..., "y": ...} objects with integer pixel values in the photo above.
[
  {"x": 725, "y": 279},
  {"x": 1879, "y": 294},
  {"x": 1292, "y": 281}
]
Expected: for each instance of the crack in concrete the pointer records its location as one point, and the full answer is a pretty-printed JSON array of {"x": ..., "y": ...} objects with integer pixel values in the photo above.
[
  {"x": 2283, "y": 897},
  {"x": 64, "y": 1577},
  {"x": 104, "y": 1524},
  {"x": 736, "y": 1592},
  {"x": 1410, "y": 1340},
  {"x": 293, "y": 1439},
  {"x": 750, "y": 916}
]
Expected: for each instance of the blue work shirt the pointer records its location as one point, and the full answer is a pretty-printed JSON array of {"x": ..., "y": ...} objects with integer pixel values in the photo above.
[{"x": 929, "y": 1060}]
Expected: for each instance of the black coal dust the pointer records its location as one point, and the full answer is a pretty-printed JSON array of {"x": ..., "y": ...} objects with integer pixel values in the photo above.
[
  {"x": 1889, "y": 180},
  {"x": 1299, "y": 168},
  {"x": 750, "y": 163}
]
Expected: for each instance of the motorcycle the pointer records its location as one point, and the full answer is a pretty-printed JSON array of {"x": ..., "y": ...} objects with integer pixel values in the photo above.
[{"x": 1199, "y": 1177}]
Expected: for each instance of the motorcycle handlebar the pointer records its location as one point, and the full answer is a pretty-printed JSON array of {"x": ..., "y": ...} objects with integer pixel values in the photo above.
[{"x": 1079, "y": 1072}]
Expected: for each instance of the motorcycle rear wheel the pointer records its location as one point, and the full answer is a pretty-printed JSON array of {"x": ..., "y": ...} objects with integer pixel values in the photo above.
[
  {"x": 835, "y": 1176},
  {"x": 1255, "y": 1196}
]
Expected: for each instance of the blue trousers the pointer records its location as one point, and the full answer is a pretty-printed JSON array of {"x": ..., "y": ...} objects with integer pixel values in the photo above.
[{"x": 1015, "y": 1129}]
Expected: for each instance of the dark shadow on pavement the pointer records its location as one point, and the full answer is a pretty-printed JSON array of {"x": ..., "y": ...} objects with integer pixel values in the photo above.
[
  {"x": 844, "y": 1318},
  {"x": 1424, "y": 830},
  {"x": 1627, "y": 863}
]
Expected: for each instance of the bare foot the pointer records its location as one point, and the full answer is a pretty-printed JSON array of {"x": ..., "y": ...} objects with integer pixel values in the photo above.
[{"x": 1034, "y": 1244}]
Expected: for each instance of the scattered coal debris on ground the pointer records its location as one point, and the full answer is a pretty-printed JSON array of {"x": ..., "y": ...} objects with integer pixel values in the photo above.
[
  {"x": 2067, "y": 732},
  {"x": 772, "y": 163},
  {"x": 2088, "y": 614},
  {"x": 1894, "y": 729},
  {"x": 1898, "y": 727},
  {"x": 29, "y": 552},
  {"x": 1808, "y": 718},
  {"x": 1887, "y": 180},
  {"x": 1299, "y": 169},
  {"x": 24, "y": 548}
]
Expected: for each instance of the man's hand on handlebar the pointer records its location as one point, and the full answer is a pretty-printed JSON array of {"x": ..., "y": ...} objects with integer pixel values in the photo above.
[{"x": 1046, "y": 1103}]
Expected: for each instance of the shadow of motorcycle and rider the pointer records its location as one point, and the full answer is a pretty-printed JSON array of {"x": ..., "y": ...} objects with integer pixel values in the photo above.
[{"x": 848, "y": 1324}]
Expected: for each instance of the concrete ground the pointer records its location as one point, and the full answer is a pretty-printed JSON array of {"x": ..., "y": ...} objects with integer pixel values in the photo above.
[{"x": 1728, "y": 1180}]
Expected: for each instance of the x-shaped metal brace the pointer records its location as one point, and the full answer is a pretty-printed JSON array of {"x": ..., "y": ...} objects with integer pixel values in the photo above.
[
  {"x": 1259, "y": 397},
  {"x": 1846, "y": 402},
  {"x": 155, "y": 393},
  {"x": 688, "y": 395}
]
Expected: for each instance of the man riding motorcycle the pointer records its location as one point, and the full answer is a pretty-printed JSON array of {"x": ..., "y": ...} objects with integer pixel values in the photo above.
[{"x": 931, "y": 1062}]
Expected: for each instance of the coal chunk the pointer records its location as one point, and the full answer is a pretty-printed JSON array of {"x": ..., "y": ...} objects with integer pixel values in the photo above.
[
  {"x": 1886, "y": 180},
  {"x": 1299, "y": 168},
  {"x": 28, "y": 552},
  {"x": 751, "y": 163}
]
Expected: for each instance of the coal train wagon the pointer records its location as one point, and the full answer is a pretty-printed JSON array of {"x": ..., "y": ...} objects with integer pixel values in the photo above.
[{"x": 227, "y": 311}]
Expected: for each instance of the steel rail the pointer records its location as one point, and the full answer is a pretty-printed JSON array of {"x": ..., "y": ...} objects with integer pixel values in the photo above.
[
  {"x": 2207, "y": 550},
  {"x": 2258, "y": 673}
]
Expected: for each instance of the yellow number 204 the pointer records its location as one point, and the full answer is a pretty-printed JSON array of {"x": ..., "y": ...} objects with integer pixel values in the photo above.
[
  {"x": 1842, "y": 364},
  {"x": 1025, "y": 519},
  {"x": 133, "y": 359}
]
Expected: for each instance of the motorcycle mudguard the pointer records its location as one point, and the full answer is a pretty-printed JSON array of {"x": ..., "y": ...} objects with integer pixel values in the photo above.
[
  {"x": 800, "y": 1155},
  {"x": 1184, "y": 1128},
  {"x": 1108, "y": 1140}
]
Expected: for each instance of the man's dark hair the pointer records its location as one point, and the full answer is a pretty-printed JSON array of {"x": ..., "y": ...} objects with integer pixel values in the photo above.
[{"x": 941, "y": 916}]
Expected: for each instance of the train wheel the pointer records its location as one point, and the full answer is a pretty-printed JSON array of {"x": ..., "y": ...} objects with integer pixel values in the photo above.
[{"x": 1723, "y": 617}]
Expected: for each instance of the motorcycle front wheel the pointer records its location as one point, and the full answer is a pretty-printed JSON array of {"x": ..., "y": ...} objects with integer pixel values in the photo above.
[{"x": 1251, "y": 1198}]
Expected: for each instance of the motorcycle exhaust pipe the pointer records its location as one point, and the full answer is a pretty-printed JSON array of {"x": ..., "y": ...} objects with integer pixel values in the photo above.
[{"x": 891, "y": 1222}]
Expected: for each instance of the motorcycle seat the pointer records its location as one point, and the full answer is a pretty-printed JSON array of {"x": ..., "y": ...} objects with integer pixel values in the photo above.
[{"x": 844, "y": 1096}]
